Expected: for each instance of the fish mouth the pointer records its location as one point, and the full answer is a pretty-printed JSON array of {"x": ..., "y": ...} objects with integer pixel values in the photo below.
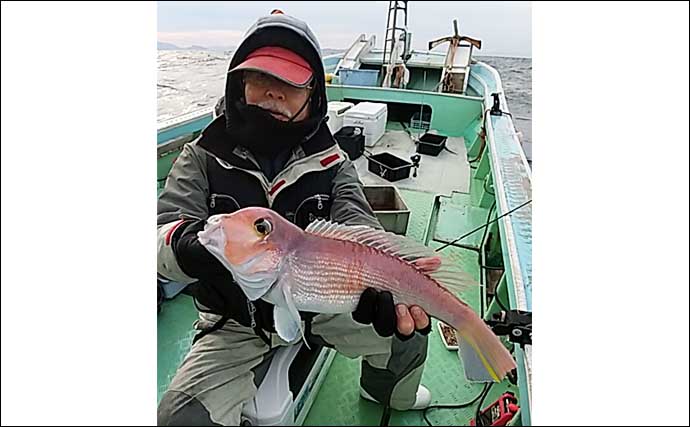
[{"x": 207, "y": 235}]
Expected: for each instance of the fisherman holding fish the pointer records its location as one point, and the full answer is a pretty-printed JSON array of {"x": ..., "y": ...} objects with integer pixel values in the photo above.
[{"x": 271, "y": 148}]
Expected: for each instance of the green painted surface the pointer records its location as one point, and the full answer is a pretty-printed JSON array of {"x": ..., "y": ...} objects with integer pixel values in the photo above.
[
  {"x": 338, "y": 402},
  {"x": 514, "y": 187},
  {"x": 483, "y": 193},
  {"x": 456, "y": 217},
  {"x": 194, "y": 125},
  {"x": 450, "y": 114},
  {"x": 472, "y": 140},
  {"x": 494, "y": 255},
  {"x": 483, "y": 166},
  {"x": 420, "y": 205},
  {"x": 175, "y": 335},
  {"x": 502, "y": 296},
  {"x": 423, "y": 79}
]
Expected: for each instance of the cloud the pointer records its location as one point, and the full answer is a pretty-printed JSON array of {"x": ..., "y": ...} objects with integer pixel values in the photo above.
[
  {"x": 202, "y": 38},
  {"x": 338, "y": 40},
  {"x": 209, "y": 38},
  {"x": 503, "y": 27}
]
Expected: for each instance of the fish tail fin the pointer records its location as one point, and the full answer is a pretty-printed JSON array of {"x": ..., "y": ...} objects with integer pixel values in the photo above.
[{"x": 484, "y": 356}]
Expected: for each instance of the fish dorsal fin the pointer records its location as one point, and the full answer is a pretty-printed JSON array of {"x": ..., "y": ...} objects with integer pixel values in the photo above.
[{"x": 423, "y": 258}]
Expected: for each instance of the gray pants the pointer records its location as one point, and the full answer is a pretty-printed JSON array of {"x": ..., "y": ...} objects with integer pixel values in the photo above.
[{"x": 222, "y": 369}]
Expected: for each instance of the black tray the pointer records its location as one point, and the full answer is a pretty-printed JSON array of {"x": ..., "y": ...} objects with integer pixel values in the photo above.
[
  {"x": 431, "y": 144},
  {"x": 389, "y": 167},
  {"x": 351, "y": 140}
]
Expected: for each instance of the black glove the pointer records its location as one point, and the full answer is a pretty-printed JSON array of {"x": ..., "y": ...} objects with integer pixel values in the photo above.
[
  {"x": 193, "y": 258},
  {"x": 378, "y": 308}
]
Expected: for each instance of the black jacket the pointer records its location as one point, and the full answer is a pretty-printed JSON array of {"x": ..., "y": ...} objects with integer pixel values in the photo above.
[{"x": 214, "y": 175}]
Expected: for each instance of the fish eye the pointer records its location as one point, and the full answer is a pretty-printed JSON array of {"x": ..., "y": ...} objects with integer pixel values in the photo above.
[{"x": 263, "y": 227}]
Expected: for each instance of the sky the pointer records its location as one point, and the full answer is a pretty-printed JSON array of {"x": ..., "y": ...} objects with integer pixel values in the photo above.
[{"x": 505, "y": 28}]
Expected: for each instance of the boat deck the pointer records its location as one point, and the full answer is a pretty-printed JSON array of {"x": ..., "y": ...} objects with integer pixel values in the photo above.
[
  {"x": 442, "y": 174},
  {"x": 338, "y": 401},
  {"x": 441, "y": 208},
  {"x": 431, "y": 221}
]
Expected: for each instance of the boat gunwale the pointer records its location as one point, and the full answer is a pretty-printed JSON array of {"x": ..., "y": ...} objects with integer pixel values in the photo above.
[{"x": 506, "y": 223}]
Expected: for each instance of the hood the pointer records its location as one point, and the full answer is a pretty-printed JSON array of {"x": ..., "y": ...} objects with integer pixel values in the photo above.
[{"x": 290, "y": 33}]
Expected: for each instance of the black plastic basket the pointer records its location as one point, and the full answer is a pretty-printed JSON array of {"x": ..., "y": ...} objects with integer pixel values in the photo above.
[
  {"x": 351, "y": 140},
  {"x": 431, "y": 144},
  {"x": 389, "y": 167}
]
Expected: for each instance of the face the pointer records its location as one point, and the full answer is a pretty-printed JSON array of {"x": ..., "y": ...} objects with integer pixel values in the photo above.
[{"x": 281, "y": 99}]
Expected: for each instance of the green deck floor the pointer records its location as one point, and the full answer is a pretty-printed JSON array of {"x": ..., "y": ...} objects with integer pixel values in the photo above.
[
  {"x": 175, "y": 335},
  {"x": 338, "y": 401}
]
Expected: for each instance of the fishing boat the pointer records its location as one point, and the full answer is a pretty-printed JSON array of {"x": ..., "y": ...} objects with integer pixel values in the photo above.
[{"x": 447, "y": 169}]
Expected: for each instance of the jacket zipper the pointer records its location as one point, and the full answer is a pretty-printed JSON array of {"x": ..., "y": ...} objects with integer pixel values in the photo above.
[
  {"x": 252, "y": 310},
  {"x": 215, "y": 196},
  {"x": 320, "y": 198},
  {"x": 275, "y": 180}
]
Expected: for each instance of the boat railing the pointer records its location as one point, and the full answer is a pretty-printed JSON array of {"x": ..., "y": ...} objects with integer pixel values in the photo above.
[{"x": 512, "y": 182}]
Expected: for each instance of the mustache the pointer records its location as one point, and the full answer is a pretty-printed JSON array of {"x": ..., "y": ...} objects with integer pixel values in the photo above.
[{"x": 274, "y": 107}]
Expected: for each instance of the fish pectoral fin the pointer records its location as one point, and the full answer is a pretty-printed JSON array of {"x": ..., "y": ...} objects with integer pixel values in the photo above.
[
  {"x": 289, "y": 304},
  {"x": 287, "y": 327}
]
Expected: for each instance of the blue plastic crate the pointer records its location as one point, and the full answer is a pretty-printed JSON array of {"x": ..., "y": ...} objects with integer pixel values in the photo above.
[{"x": 359, "y": 77}]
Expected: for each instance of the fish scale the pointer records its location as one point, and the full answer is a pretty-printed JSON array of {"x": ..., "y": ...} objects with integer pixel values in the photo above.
[
  {"x": 328, "y": 275},
  {"x": 315, "y": 284}
]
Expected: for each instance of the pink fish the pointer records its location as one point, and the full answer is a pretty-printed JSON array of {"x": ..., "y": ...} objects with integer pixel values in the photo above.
[{"x": 326, "y": 267}]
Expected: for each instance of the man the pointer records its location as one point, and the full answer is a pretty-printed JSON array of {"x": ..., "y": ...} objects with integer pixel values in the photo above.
[{"x": 272, "y": 148}]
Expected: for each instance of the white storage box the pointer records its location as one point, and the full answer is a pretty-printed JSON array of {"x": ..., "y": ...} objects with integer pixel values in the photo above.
[
  {"x": 371, "y": 116},
  {"x": 336, "y": 111}
]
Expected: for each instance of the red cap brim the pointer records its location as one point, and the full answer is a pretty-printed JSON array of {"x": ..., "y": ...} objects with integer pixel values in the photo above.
[{"x": 282, "y": 69}]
